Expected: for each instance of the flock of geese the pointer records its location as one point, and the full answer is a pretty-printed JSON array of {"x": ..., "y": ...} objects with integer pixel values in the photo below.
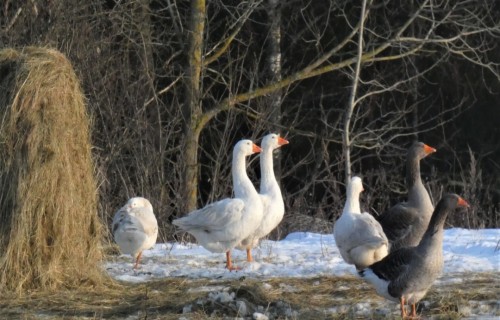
[{"x": 398, "y": 252}]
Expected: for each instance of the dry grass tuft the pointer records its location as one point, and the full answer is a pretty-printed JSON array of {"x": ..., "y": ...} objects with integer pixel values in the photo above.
[{"x": 49, "y": 229}]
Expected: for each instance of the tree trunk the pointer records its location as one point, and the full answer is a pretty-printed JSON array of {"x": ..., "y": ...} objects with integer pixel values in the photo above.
[
  {"x": 274, "y": 61},
  {"x": 192, "y": 111},
  {"x": 352, "y": 99}
]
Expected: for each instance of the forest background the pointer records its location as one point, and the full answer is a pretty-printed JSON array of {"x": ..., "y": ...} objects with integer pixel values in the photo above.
[{"x": 171, "y": 86}]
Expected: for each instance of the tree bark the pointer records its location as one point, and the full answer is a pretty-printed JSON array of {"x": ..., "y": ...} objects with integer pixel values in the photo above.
[
  {"x": 274, "y": 61},
  {"x": 192, "y": 107}
]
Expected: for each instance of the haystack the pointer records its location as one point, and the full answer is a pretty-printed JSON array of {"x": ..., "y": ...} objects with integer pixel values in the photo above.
[{"x": 50, "y": 232}]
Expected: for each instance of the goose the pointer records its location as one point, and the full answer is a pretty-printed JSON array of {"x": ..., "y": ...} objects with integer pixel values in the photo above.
[
  {"x": 221, "y": 225},
  {"x": 405, "y": 275},
  {"x": 270, "y": 194},
  {"x": 405, "y": 223},
  {"x": 135, "y": 227},
  {"x": 357, "y": 234}
]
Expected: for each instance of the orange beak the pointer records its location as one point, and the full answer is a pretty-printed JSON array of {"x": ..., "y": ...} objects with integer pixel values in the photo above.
[
  {"x": 282, "y": 141},
  {"x": 256, "y": 148},
  {"x": 429, "y": 150},
  {"x": 462, "y": 202}
]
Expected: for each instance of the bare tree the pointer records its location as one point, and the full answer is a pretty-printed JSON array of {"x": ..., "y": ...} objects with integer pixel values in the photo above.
[
  {"x": 352, "y": 98},
  {"x": 384, "y": 45}
]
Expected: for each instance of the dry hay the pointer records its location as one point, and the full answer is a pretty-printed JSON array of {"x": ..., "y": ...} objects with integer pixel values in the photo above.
[
  {"x": 49, "y": 229},
  {"x": 311, "y": 298}
]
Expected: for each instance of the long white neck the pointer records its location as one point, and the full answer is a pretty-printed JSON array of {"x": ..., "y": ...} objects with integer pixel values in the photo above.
[
  {"x": 268, "y": 183},
  {"x": 352, "y": 203},
  {"x": 243, "y": 186}
]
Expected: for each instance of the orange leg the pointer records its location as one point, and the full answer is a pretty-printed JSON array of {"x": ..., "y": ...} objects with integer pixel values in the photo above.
[
  {"x": 249, "y": 255},
  {"x": 414, "y": 311},
  {"x": 137, "y": 260},
  {"x": 229, "y": 264},
  {"x": 403, "y": 308}
]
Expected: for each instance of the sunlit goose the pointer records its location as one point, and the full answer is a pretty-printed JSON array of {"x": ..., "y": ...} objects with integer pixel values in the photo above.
[
  {"x": 358, "y": 235},
  {"x": 270, "y": 194},
  {"x": 405, "y": 223},
  {"x": 406, "y": 274},
  {"x": 220, "y": 226},
  {"x": 135, "y": 227}
]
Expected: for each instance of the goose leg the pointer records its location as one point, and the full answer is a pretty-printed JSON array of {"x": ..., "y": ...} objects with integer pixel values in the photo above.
[
  {"x": 403, "y": 309},
  {"x": 414, "y": 311},
  {"x": 137, "y": 260},
  {"x": 229, "y": 264},
  {"x": 249, "y": 255}
]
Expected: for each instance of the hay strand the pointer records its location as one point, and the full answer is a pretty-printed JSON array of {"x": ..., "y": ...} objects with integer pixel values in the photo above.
[{"x": 49, "y": 229}]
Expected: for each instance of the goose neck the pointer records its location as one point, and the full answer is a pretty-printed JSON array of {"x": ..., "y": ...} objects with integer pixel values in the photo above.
[
  {"x": 434, "y": 232},
  {"x": 243, "y": 187},
  {"x": 413, "y": 172},
  {"x": 268, "y": 179},
  {"x": 352, "y": 203}
]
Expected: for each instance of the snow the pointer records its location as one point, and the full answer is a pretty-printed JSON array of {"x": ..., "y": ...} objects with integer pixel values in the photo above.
[{"x": 300, "y": 254}]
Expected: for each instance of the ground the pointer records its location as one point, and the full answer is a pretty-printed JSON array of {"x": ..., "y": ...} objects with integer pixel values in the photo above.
[{"x": 458, "y": 296}]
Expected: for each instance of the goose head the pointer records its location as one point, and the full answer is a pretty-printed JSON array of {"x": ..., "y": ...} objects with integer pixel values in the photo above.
[
  {"x": 139, "y": 202},
  {"x": 246, "y": 147},
  {"x": 273, "y": 141},
  {"x": 355, "y": 186},
  {"x": 420, "y": 150}
]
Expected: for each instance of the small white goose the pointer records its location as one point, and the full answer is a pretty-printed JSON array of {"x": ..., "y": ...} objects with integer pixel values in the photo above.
[
  {"x": 270, "y": 194},
  {"x": 135, "y": 227},
  {"x": 358, "y": 235},
  {"x": 220, "y": 226}
]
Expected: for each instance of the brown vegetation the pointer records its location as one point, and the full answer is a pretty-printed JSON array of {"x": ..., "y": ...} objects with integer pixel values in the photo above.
[
  {"x": 285, "y": 298},
  {"x": 50, "y": 234}
]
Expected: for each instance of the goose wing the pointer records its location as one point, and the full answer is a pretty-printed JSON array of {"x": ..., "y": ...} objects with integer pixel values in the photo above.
[
  {"x": 215, "y": 216},
  {"x": 398, "y": 222}
]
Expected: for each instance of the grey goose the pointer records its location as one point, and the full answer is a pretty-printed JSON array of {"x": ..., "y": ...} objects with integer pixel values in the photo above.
[
  {"x": 405, "y": 275},
  {"x": 405, "y": 223}
]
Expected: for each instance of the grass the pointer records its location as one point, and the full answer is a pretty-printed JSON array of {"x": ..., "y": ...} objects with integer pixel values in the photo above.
[{"x": 308, "y": 298}]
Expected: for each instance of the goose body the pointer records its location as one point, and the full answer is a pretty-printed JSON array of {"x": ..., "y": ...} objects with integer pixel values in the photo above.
[
  {"x": 405, "y": 223},
  {"x": 406, "y": 274},
  {"x": 135, "y": 227},
  {"x": 220, "y": 226},
  {"x": 357, "y": 234},
  {"x": 270, "y": 194}
]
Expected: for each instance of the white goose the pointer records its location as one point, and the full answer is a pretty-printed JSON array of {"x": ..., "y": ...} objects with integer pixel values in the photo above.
[
  {"x": 135, "y": 227},
  {"x": 358, "y": 235},
  {"x": 220, "y": 226},
  {"x": 270, "y": 194}
]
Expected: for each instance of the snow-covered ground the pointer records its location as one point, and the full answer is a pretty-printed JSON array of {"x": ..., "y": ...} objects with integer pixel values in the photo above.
[
  {"x": 468, "y": 254},
  {"x": 298, "y": 255}
]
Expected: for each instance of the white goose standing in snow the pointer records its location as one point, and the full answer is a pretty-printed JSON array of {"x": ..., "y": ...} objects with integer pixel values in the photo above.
[
  {"x": 270, "y": 194},
  {"x": 135, "y": 227},
  {"x": 358, "y": 235},
  {"x": 220, "y": 226},
  {"x": 405, "y": 275}
]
